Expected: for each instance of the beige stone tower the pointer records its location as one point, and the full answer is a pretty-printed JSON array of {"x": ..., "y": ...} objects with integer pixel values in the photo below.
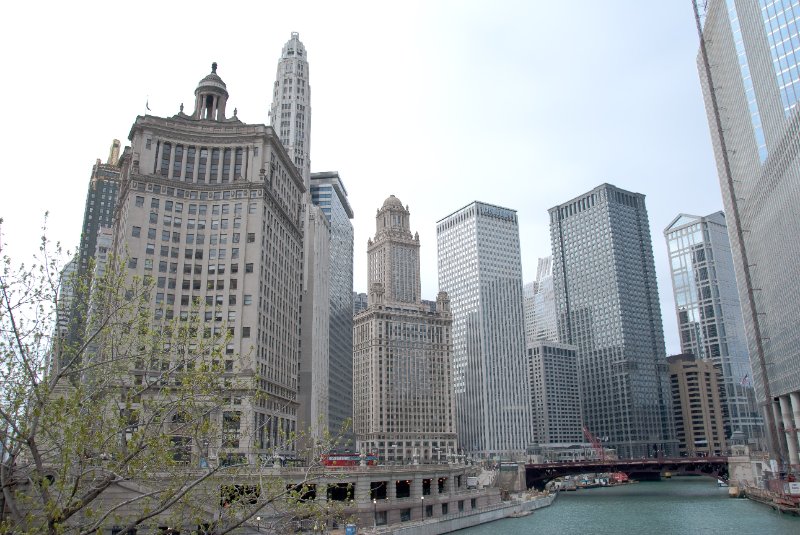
[{"x": 403, "y": 404}]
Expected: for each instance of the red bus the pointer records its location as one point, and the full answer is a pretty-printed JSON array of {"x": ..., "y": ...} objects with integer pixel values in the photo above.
[{"x": 348, "y": 459}]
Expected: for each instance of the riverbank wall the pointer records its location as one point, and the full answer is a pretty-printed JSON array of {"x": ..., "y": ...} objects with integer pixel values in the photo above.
[{"x": 466, "y": 520}]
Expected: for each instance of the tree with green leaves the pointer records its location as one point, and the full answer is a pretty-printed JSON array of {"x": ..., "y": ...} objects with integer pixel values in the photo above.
[{"x": 128, "y": 426}]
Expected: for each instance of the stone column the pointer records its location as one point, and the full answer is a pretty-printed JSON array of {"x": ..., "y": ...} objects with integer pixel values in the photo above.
[
  {"x": 322, "y": 492},
  {"x": 788, "y": 429},
  {"x": 776, "y": 416},
  {"x": 794, "y": 398},
  {"x": 391, "y": 489},
  {"x": 361, "y": 494}
]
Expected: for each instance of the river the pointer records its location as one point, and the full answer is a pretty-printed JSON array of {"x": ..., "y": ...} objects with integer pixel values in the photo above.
[{"x": 678, "y": 506}]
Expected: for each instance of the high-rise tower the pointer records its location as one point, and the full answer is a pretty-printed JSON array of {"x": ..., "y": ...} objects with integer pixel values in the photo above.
[
  {"x": 709, "y": 313},
  {"x": 607, "y": 304},
  {"x": 749, "y": 65},
  {"x": 481, "y": 270},
  {"x": 328, "y": 192},
  {"x": 290, "y": 113},
  {"x": 402, "y": 375},
  {"x": 210, "y": 210}
]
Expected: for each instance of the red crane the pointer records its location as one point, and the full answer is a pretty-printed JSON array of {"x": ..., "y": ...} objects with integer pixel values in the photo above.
[{"x": 596, "y": 445}]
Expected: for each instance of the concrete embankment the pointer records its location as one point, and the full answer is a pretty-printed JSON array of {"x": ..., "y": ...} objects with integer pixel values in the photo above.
[{"x": 464, "y": 520}]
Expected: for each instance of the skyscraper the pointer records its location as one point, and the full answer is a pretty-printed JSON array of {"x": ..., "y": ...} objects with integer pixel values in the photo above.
[
  {"x": 748, "y": 63},
  {"x": 211, "y": 211},
  {"x": 696, "y": 403},
  {"x": 553, "y": 376},
  {"x": 359, "y": 302},
  {"x": 709, "y": 313},
  {"x": 481, "y": 271},
  {"x": 290, "y": 116},
  {"x": 540, "y": 305},
  {"x": 101, "y": 200},
  {"x": 402, "y": 374},
  {"x": 290, "y": 113},
  {"x": 607, "y": 305},
  {"x": 328, "y": 192}
]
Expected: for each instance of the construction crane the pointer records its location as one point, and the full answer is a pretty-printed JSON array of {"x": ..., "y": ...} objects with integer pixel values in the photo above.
[{"x": 596, "y": 445}]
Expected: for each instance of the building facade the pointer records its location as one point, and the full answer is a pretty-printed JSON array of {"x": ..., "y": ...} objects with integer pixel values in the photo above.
[
  {"x": 359, "y": 302},
  {"x": 480, "y": 269},
  {"x": 710, "y": 316},
  {"x": 748, "y": 64},
  {"x": 403, "y": 403},
  {"x": 607, "y": 305},
  {"x": 553, "y": 377},
  {"x": 697, "y": 406},
  {"x": 541, "y": 322},
  {"x": 210, "y": 209},
  {"x": 328, "y": 192}
]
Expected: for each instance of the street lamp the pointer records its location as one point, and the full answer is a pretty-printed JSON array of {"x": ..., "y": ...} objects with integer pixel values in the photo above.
[
  {"x": 422, "y": 508},
  {"x": 258, "y": 523},
  {"x": 374, "y": 514}
]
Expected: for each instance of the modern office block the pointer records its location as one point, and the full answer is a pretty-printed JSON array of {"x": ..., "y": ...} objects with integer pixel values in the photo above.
[
  {"x": 709, "y": 314},
  {"x": 328, "y": 192},
  {"x": 748, "y": 62},
  {"x": 402, "y": 371},
  {"x": 607, "y": 305},
  {"x": 211, "y": 210},
  {"x": 697, "y": 406},
  {"x": 481, "y": 271},
  {"x": 553, "y": 377},
  {"x": 359, "y": 302}
]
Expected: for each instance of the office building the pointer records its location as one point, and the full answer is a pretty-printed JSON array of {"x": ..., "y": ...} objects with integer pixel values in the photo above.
[
  {"x": 607, "y": 305},
  {"x": 402, "y": 371},
  {"x": 748, "y": 63},
  {"x": 709, "y": 313},
  {"x": 211, "y": 210},
  {"x": 697, "y": 406},
  {"x": 328, "y": 192},
  {"x": 481, "y": 271},
  {"x": 553, "y": 377},
  {"x": 540, "y": 305},
  {"x": 359, "y": 302}
]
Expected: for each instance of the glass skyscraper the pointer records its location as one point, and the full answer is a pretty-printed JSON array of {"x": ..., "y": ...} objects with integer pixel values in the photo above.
[
  {"x": 328, "y": 192},
  {"x": 481, "y": 271},
  {"x": 709, "y": 313},
  {"x": 748, "y": 66},
  {"x": 607, "y": 305}
]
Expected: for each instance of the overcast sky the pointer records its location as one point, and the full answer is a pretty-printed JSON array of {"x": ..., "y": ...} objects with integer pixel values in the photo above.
[{"x": 524, "y": 104}]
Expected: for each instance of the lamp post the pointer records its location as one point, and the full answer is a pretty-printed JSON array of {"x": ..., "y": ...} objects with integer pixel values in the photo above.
[
  {"x": 422, "y": 508},
  {"x": 375, "y": 515},
  {"x": 258, "y": 524}
]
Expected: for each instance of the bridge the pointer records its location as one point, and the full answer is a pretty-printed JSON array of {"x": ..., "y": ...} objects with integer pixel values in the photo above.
[{"x": 537, "y": 475}]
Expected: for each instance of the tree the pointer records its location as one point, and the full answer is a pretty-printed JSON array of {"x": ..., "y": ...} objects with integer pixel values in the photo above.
[{"x": 135, "y": 424}]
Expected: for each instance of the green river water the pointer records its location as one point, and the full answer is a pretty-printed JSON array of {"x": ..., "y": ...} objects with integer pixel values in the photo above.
[{"x": 684, "y": 505}]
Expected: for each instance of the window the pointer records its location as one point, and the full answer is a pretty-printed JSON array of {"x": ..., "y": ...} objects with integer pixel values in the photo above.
[
  {"x": 139, "y": 201},
  {"x": 248, "y": 268},
  {"x": 153, "y": 218},
  {"x": 234, "y": 284},
  {"x": 151, "y": 234},
  {"x": 154, "y": 203},
  {"x": 148, "y": 264},
  {"x": 232, "y": 299},
  {"x": 168, "y": 206},
  {"x": 132, "y": 263},
  {"x": 234, "y": 268},
  {"x": 162, "y": 267},
  {"x": 150, "y": 248},
  {"x": 248, "y": 299},
  {"x": 251, "y": 237},
  {"x": 136, "y": 231},
  {"x": 245, "y": 332}
]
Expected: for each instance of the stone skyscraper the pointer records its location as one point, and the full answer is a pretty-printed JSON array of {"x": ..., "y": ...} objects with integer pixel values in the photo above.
[
  {"x": 481, "y": 271},
  {"x": 607, "y": 304},
  {"x": 290, "y": 116},
  {"x": 328, "y": 192},
  {"x": 290, "y": 113},
  {"x": 749, "y": 65},
  {"x": 402, "y": 371},
  {"x": 210, "y": 209},
  {"x": 709, "y": 313}
]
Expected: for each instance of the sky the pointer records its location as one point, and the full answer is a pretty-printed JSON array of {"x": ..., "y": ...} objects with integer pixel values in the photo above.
[{"x": 522, "y": 104}]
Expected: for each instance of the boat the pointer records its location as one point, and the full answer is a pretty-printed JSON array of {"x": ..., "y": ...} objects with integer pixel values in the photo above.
[{"x": 721, "y": 483}]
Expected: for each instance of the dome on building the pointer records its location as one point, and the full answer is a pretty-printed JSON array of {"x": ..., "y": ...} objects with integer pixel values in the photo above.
[
  {"x": 392, "y": 202},
  {"x": 212, "y": 81}
]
